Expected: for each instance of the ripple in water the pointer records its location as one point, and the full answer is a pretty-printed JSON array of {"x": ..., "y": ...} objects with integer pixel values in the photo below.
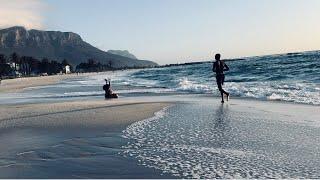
[{"x": 206, "y": 141}]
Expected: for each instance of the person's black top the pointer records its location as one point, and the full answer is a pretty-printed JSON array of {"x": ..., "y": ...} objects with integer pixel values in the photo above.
[
  {"x": 107, "y": 87},
  {"x": 219, "y": 67}
]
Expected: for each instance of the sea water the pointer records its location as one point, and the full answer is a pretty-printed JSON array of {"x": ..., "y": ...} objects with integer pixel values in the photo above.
[{"x": 293, "y": 77}]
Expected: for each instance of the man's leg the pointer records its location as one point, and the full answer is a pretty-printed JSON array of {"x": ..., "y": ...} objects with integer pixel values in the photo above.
[
  {"x": 226, "y": 93},
  {"x": 221, "y": 91},
  {"x": 219, "y": 84},
  {"x": 222, "y": 80}
]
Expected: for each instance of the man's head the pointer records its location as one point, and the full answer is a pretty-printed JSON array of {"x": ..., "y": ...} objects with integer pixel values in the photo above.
[{"x": 217, "y": 56}]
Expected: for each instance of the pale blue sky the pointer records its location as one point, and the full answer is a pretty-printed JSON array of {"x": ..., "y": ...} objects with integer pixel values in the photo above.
[{"x": 170, "y": 31}]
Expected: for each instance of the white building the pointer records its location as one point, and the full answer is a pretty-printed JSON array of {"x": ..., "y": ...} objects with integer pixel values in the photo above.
[
  {"x": 67, "y": 69},
  {"x": 14, "y": 65}
]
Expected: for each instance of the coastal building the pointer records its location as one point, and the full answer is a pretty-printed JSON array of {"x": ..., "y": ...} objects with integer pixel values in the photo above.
[
  {"x": 14, "y": 65},
  {"x": 67, "y": 69},
  {"x": 16, "y": 68}
]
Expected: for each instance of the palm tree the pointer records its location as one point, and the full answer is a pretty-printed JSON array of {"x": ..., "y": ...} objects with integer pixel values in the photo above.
[
  {"x": 15, "y": 59},
  {"x": 44, "y": 67},
  {"x": 26, "y": 62},
  {"x": 110, "y": 64},
  {"x": 65, "y": 62},
  {"x": 3, "y": 59}
]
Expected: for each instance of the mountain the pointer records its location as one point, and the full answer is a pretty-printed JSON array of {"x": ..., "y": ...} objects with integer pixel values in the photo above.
[
  {"x": 124, "y": 53},
  {"x": 56, "y": 45}
]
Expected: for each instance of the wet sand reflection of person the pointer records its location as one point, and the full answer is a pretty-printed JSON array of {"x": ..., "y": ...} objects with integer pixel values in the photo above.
[{"x": 221, "y": 126}]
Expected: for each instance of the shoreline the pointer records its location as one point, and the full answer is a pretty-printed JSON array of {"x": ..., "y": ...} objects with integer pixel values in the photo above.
[
  {"x": 84, "y": 139},
  {"x": 16, "y": 85},
  {"x": 244, "y": 139}
]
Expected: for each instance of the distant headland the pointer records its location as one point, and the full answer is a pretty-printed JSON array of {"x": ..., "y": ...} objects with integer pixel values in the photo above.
[{"x": 59, "y": 46}]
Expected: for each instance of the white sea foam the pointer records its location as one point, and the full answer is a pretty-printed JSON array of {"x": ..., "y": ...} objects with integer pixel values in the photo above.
[
  {"x": 138, "y": 126},
  {"x": 161, "y": 148},
  {"x": 282, "y": 91},
  {"x": 298, "y": 91},
  {"x": 205, "y": 141},
  {"x": 191, "y": 86}
]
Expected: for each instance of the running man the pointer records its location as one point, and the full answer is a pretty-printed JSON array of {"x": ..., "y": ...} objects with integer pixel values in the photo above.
[{"x": 219, "y": 67}]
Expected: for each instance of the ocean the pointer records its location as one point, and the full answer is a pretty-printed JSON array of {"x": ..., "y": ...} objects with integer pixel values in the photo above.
[{"x": 292, "y": 77}]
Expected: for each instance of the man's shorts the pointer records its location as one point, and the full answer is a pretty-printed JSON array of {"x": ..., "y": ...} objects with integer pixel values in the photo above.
[{"x": 220, "y": 79}]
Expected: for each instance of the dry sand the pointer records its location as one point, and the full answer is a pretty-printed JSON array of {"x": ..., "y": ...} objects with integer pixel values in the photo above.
[
  {"x": 18, "y": 84},
  {"x": 112, "y": 114}
]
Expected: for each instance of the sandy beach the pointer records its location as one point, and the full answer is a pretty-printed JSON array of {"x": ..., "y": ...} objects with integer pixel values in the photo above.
[
  {"x": 19, "y": 84},
  {"x": 152, "y": 136},
  {"x": 107, "y": 139},
  {"x": 28, "y": 130},
  {"x": 111, "y": 114},
  {"x": 41, "y": 125}
]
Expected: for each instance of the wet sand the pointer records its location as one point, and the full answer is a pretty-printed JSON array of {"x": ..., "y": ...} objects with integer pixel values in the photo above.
[
  {"x": 71, "y": 139},
  {"x": 81, "y": 114},
  {"x": 196, "y": 138},
  {"x": 202, "y": 138}
]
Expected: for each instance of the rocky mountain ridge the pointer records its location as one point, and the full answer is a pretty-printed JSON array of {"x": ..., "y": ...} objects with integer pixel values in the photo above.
[{"x": 58, "y": 45}]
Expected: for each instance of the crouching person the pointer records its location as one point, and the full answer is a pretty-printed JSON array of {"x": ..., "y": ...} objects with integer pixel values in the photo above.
[{"x": 108, "y": 91}]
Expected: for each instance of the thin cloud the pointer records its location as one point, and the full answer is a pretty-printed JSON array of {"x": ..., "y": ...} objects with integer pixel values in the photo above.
[{"x": 25, "y": 13}]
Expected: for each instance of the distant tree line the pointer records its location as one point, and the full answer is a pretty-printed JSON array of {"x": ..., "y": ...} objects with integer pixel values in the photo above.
[
  {"x": 14, "y": 65},
  {"x": 94, "y": 66}
]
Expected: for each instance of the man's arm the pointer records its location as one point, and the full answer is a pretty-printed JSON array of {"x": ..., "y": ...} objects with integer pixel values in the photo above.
[
  {"x": 214, "y": 67},
  {"x": 226, "y": 67}
]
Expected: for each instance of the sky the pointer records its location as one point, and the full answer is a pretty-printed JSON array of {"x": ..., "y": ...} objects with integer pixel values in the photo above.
[{"x": 176, "y": 31}]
